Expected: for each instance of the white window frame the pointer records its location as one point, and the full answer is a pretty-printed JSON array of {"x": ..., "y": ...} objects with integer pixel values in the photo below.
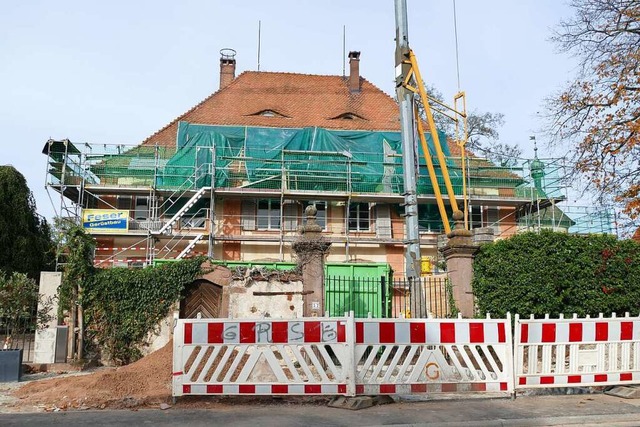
[
  {"x": 359, "y": 217},
  {"x": 272, "y": 217}
]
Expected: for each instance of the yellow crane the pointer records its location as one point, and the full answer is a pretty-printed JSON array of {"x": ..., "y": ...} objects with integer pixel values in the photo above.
[{"x": 413, "y": 81}]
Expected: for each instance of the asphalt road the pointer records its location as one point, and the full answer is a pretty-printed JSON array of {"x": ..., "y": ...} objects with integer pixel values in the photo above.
[{"x": 581, "y": 410}]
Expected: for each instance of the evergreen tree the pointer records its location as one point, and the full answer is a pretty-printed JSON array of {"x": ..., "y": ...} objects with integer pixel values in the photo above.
[{"x": 25, "y": 237}]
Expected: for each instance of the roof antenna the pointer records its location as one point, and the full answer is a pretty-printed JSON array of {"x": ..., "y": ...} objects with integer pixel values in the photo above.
[
  {"x": 455, "y": 31},
  {"x": 259, "y": 28},
  {"x": 344, "y": 48}
]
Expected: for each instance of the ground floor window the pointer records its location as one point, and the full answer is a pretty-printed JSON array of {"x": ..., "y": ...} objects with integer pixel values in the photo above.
[
  {"x": 359, "y": 217},
  {"x": 268, "y": 217},
  {"x": 476, "y": 217},
  {"x": 123, "y": 203}
]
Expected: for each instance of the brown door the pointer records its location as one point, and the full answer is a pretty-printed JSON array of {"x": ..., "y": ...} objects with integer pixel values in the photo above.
[{"x": 203, "y": 297}]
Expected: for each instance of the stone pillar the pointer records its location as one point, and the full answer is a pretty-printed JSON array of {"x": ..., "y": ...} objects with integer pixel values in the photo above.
[
  {"x": 310, "y": 250},
  {"x": 459, "y": 253},
  {"x": 46, "y": 338}
]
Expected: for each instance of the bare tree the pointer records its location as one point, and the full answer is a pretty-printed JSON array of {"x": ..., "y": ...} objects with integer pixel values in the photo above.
[
  {"x": 598, "y": 113},
  {"x": 482, "y": 132}
]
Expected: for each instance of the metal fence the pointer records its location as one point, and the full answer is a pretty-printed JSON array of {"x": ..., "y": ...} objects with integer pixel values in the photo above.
[
  {"x": 18, "y": 332},
  {"x": 379, "y": 297}
]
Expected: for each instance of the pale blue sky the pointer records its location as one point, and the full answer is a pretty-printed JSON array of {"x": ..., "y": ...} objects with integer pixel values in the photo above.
[{"x": 117, "y": 71}]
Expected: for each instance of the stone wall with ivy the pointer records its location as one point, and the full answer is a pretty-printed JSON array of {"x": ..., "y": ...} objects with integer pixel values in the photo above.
[
  {"x": 123, "y": 306},
  {"x": 557, "y": 273}
]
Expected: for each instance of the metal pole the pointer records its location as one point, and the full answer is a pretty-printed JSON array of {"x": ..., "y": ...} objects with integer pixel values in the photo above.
[
  {"x": 212, "y": 203},
  {"x": 405, "y": 98},
  {"x": 259, "y": 40}
]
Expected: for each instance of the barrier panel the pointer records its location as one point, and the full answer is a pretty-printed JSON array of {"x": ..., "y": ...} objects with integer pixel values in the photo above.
[
  {"x": 341, "y": 356},
  {"x": 348, "y": 356},
  {"x": 407, "y": 356},
  {"x": 263, "y": 357},
  {"x": 577, "y": 352}
]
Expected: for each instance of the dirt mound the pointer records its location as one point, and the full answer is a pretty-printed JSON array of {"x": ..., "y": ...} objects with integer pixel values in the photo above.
[{"x": 145, "y": 382}]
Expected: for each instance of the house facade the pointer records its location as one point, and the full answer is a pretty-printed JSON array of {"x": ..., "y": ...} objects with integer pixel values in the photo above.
[{"x": 231, "y": 177}]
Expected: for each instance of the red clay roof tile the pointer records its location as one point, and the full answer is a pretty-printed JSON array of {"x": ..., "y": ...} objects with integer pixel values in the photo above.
[{"x": 305, "y": 100}]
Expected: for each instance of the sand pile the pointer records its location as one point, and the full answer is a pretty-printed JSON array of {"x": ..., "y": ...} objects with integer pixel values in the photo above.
[{"x": 145, "y": 382}]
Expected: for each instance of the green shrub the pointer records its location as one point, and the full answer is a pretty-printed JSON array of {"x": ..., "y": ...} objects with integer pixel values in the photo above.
[
  {"x": 22, "y": 308},
  {"x": 557, "y": 273},
  {"x": 122, "y": 306}
]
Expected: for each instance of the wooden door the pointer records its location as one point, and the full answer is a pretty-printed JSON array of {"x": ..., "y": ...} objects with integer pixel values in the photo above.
[{"x": 203, "y": 297}]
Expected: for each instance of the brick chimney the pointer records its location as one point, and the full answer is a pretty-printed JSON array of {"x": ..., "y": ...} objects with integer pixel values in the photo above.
[
  {"x": 354, "y": 71},
  {"x": 227, "y": 66}
]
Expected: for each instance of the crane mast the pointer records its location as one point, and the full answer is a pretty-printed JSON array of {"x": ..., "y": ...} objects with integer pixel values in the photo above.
[{"x": 409, "y": 158}]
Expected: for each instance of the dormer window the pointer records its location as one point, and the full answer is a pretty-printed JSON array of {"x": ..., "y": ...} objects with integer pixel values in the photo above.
[
  {"x": 348, "y": 116},
  {"x": 268, "y": 113}
]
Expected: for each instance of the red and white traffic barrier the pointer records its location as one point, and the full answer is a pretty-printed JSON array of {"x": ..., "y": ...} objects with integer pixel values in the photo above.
[
  {"x": 430, "y": 387},
  {"x": 401, "y": 356},
  {"x": 430, "y": 331},
  {"x": 264, "y": 389},
  {"x": 407, "y": 356},
  {"x": 263, "y": 331},
  {"x": 577, "y": 352},
  {"x": 263, "y": 357},
  {"x": 345, "y": 356}
]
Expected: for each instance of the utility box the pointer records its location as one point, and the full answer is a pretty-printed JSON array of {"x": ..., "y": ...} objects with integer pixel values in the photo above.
[
  {"x": 10, "y": 365},
  {"x": 425, "y": 266},
  {"x": 62, "y": 336}
]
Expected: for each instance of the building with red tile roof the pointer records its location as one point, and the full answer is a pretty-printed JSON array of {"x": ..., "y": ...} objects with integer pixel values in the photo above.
[{"x": 235, "y": 205}]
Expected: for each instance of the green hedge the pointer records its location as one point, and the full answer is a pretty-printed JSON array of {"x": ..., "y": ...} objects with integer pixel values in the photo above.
[
  {"x": 557, "y": 273},
  {"x": 122, "y": 306}
]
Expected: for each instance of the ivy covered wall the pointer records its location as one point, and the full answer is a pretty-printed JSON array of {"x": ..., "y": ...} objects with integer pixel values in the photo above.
[{"x": 122, "y": 306}]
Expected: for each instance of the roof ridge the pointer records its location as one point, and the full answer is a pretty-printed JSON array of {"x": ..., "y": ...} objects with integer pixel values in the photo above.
[{"x": 294, "y": 74}]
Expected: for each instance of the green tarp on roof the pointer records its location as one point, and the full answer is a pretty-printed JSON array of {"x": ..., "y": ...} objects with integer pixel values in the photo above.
[{"x": 309, "y": 158}]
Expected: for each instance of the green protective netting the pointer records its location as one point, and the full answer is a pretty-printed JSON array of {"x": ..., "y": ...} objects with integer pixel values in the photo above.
[
  {"x": 301, "y": 159},
  {"x": 193, "y": 162},
  {"x": 574, "y": 219},
  {"x": 123, "y": 165}
]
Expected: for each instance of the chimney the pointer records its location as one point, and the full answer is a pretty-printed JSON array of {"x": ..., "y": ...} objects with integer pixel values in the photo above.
[
  {"x": 227, "y": 67},
  {"x": 354, "y": 71}
]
